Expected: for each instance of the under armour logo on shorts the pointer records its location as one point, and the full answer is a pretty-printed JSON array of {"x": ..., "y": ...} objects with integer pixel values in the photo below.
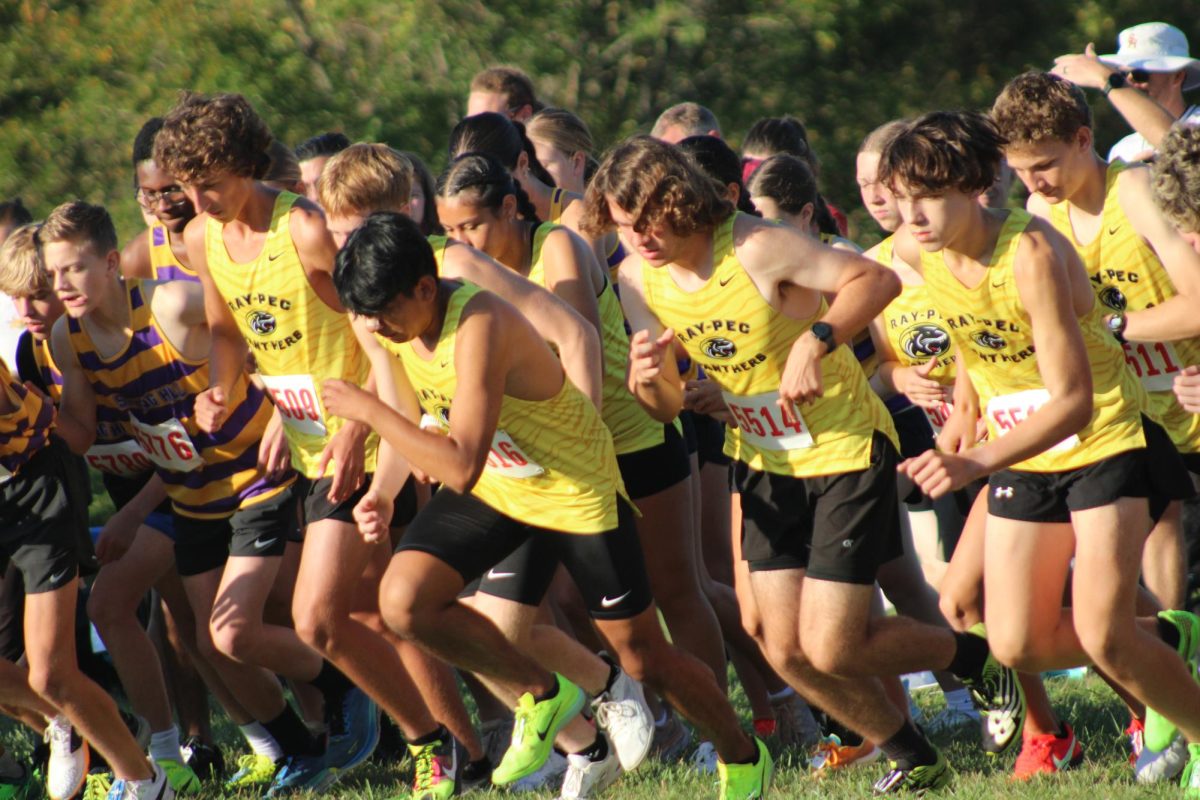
[{"x": 1004, "y": 492}]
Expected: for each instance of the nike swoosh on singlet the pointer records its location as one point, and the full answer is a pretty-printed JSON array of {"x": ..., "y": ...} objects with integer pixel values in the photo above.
[
  {"x": 727, "y": 280},
  {"x": 273, "y": 256},
  {"x": 1113, "y": 231}
]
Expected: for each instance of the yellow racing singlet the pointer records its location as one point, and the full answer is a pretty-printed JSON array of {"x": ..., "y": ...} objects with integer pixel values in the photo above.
[
  {"x": 551, "y": 463},
  {"x": 991, "y": 328},
  {"x": 297, "y": 340},
  {"x": 632, "y": 428},
  {"x": 147, "y": 392},
  {"x": 1127, "y": 276},
  {"x": 916, "y": 332},
  {"x": 556, "y": 205},
  {"x": 25, "y": 430},
  {"x": 742, "y": 344},
  {"x": 165, "y": 265}
]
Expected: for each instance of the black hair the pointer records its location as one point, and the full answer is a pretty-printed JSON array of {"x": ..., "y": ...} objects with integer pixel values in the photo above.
[
  {"x": 384, "y": 257},
  {"x": 500, "y": 137},
  {"x": 13, "y": 212},
  {"x": 718, "y": 160},
  {"x": 790, "y": 182},
  {"x": 772, "y": 136},
  {"x": 488, "y": 179},
  {"x": 323, "y": 144},
  {"x": 143, "y": 143}
]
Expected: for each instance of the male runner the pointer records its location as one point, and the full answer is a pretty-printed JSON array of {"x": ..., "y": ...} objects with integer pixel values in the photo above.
[
  {"x": 505, "y": 90},
  {"x": 814, "y": 446},
  {"x": 132, "y": 355},
  {"x": 313, "y": 154},
  {"x": 1066, "y": 444},
  {"x": 158, "y": 252},
  {"x": 265, "y": 259},
  {"x": 521, "y": 455},
  {"x": 1144, "y": 273}
]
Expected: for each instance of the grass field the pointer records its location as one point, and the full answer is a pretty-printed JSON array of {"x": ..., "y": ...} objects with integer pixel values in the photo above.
[{"x": 1088, "y": 704}]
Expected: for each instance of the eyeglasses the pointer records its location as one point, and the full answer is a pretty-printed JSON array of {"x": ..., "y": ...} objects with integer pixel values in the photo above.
[
  {"x": 1138, "y": 75},
  {"x": 172, "y": 196}
]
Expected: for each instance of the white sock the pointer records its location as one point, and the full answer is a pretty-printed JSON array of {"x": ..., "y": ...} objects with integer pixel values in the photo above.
[
  {"x": 261, "y": 742},
  {"x": 164, "y": 745}
]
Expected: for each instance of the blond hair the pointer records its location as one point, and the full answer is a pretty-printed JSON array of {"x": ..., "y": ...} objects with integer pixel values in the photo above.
[
  {"x": 1175, "y": 177},
  {"x": 21, "y": 270},
  {"x": 365, "y": 177}
]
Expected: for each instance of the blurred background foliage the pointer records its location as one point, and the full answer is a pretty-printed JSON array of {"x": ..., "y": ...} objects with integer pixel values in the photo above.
[{"x": 77, "y": 79}]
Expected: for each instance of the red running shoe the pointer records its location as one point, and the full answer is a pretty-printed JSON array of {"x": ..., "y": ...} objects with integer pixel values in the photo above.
[{"x": 1048, "y": 754}]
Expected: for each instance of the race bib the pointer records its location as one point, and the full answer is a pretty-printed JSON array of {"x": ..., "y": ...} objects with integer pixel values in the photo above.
[
  {"x": 125, "y": 458},
  {"x": 1156, "y": 364},
  {"x": 766, "y": 424},
  {"x": 296, "y": 398},
  {"x": 505, "y": 458},
  {"x": 167, "y": 444},
  {"x": 1007, "y": 411},
  {"x": 937, "y": 416}
]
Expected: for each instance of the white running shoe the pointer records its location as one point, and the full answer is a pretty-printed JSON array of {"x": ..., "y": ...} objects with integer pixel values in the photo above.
[
  {"x": 951, "y": 720},
  {"x": 704, "y": 760},
  {"x": 586, "y": 779},
  {"x": 156, "y": 787},
  {"x": 794, "y": 723},
  {"x": 671, "y": 739},
  {"x": 67, "y": 767},
  {"x": 551, "y": 774},
  {"x": 1155, "y": 766},
  {"x": 623, "y": 715}
]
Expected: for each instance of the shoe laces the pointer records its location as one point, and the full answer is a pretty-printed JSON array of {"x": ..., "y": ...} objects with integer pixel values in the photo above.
[
  {"x": 429, "y": 771},
  {"x": 609, "y": 711},
  {"x": 96, "y": 786},
  {"x": 117, "y": 790},
  {"x": 521, "y": 717}
]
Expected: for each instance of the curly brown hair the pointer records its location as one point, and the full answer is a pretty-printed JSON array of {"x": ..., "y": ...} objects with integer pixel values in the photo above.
[
  {"x": 207, "y": 137},
  {"x": 1037, "y": 107},
  {"x": 657, "y": 185},
  {"x": 1175, "y": 176},
  {"x": 943, "y": 151}
]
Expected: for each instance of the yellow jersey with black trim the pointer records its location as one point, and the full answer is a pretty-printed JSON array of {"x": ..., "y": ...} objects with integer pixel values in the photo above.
[
  {"x": 147, "y": 391},
  {"x": 165, "y": 265},
  {"x": 557, "y": 205},
  {"x": 632, "y": 428},
  {"x": 26, "y": 429},
  {"x": 1127, "y": 276},
  {"x": 914, "y": 327},
  {"x": 742, "y": 344},
  {"x": 298, "y": 341},
  {"x": 991, "y": 329},
  {"x": 551, "y": 463},
  {"x": 49, "y": 372}
]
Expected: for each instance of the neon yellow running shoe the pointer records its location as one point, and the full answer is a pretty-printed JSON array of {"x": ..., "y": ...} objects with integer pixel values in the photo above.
[
  {"x": 181, "y": 777},
  {"x": 534, "y": 727},
  {"x": 1159, "y": 731},
  {"x": 437, "y": 765},
  {"x": 97, "y": 785},
  {"x": 747, "y": 781},
  {"x": 1190, "y": 780},
  {"x": 254, "y": 769},
  {"x": 916, "y": 780}
]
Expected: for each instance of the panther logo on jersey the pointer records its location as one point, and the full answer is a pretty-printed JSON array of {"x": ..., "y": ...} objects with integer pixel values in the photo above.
[
  {"x": 986, "y": 338},
  {"x": 261, "y": 322},
  {"x": 443, "y": 415},
  {"x": 1113, "y": 297},
  {"x": 925, "y": 341},
  {"x": 718, "y": 347}
]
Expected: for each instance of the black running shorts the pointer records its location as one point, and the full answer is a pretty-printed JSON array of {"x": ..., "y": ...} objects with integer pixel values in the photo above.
[
  {"x": 837, "y": 527},
  {"x": 258, "y": 530},
  {"x": 1155, "y": 471},
  {"x": 658, "y": 468},
  {"x": 317, "y": 506},
  {"x": 37, "y": 523},
  {"x": 517, "y": 561}
]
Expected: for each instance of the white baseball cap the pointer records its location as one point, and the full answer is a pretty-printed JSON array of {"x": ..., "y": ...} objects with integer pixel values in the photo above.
[{"x": 1155, "y": 47}]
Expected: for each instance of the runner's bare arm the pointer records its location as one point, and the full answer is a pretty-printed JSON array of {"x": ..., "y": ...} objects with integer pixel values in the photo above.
[
  {"x": 578, "y": 342},
  {"x": 653, "y": 375},
  {"x": 135, "y": 258},
  {"x": 227, "y": 351},
  {"x": 1176, "y": 318},
  {"x": 77, "y": 409},
  {"x": 572, "y": 273},
  {"x": 394, "y": 390}
]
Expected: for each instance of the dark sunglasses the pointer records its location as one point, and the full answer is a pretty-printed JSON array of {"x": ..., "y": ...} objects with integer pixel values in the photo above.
[{"x": 1138, "y": 75}]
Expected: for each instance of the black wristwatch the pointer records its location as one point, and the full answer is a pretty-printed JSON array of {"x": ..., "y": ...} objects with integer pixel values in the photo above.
[
  {"x": 1116, "y": 80},
  {"x": 1116, "y": 326},
  {"x": 824, "y": 332}
]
